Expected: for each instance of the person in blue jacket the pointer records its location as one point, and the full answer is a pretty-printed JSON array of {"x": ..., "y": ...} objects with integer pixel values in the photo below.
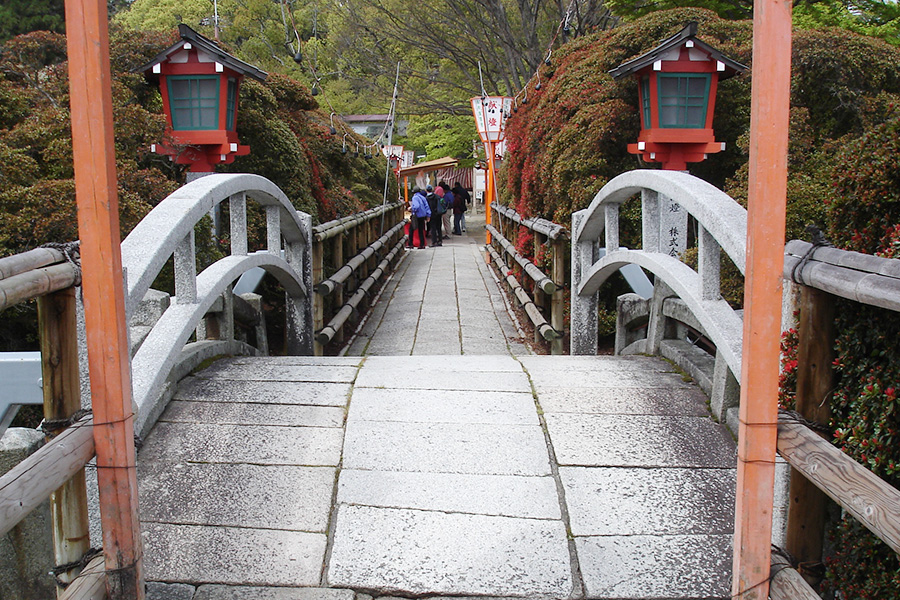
[{"x": 418, "y": 206}]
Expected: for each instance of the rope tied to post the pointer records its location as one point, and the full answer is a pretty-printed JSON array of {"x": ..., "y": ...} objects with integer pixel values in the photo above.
[
  {"x": 795, "y": 417},
  {"x": 51, "y": 427},
  {"x": 71, "y": 251},
  {"x": 80, "y": 564},
  {"x": 818, "y": 241}
]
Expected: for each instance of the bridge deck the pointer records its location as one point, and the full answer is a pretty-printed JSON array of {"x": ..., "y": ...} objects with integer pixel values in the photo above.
[{"x": 457, "y": 475}]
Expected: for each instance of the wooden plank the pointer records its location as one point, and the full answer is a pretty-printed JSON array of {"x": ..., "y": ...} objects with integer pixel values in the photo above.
[
  {"x": 28, "y": 261},
  {"x": 62, "y": 399},
  {"x": 767, "y": 192},
  {"x": 36, "y": 283},
  {"x": 31, "y": 482},
  {"x": 91, "y": 585},
  {"x": 870, "y": 500},
  {"x": 93, "y": 148},
  {"x": 815, "y": 379},
  {"x": 787, "y": 583}
]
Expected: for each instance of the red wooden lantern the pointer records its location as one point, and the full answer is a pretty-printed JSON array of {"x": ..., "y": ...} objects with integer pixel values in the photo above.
[
  {"x": 199, "y": 85},
  {"x": 677, "y": 84}
]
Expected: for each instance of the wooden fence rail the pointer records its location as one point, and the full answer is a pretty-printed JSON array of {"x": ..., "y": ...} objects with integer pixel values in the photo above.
[
  {"x": 359, "y": 236},
  {"x": 546, "y": 286},
  {"x": 818, "y": 468}
]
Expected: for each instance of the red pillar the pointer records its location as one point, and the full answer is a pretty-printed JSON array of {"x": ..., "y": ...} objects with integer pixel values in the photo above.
[
  {"x": 762, "y": 297},
  {"x": 104, "y": 295}
]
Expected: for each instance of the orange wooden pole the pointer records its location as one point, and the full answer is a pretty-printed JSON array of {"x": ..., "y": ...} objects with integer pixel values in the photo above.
[
  {"x": 490, "y": 189},
  {"x": 762, "y": 297},
  {"x": 104, "y": 298}
]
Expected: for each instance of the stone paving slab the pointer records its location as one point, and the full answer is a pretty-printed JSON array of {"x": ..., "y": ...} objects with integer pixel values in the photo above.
[
  {"x": 626, "y": 401},
  {"x": 231, "y": 555},
  {"x": 308, "y": 361},
  {"x": 259, "y": 392},
  {"x": 228, "y": 592},
  {"x": 637, "y": 501},
  {"x": 222, "y": 413},
  {"x": 238, "y": 495},
  {"x": 265, "y": 372},
  {"x": 421, "y": 552},
  {"x": 443, "y": 380},
  {"x": 642, "y": 566},
  {"x": 600, "y": 363},
  {"x": 549, "y": 380},
  {"x": 497, "y": 363},
  {"x": 179, "y": 442},
  {"x": 498, "y": 495},
  {"x": 634, "y": 441},
  {"x": 445, "y": 448},
  {"x": 443, "y": 406}
]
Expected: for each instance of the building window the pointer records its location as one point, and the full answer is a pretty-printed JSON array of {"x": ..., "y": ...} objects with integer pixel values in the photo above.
[
  {"x": 194, "y": 101},
  {"x": 683, "y": 100},
  {"x": 231, "y": 103},
  {"x": 645, "y": 101}
]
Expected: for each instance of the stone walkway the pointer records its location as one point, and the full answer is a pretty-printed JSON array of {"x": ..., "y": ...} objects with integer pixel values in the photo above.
[
  {"x": 442, "y": 300},
  {"x": 467, "y": 469}
]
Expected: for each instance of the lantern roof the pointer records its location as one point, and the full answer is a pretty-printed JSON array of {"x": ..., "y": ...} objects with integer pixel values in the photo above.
[
  {"x": 689, "y": 33},
  {"x": 207, "y": 46}
]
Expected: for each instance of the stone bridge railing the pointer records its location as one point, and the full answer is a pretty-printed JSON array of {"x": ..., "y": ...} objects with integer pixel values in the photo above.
[
  {"x": 691, "y": 298},
  {"x": 169, "y": 231}
]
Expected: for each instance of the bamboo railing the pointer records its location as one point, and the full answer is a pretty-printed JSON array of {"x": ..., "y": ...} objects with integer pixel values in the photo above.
[
  {"x": 362, "y": 236},
  {"x": 56, "y": 469},
  {"x": 545, "y": 307}
]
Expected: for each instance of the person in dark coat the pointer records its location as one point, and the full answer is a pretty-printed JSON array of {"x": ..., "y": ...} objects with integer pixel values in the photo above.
[
  {"x": 434, "y": 203},
  {"x": 460, "y": 192}
]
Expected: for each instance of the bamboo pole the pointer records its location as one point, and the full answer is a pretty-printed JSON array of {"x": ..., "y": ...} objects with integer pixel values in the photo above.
[
  {"x": 557, "y": 302},
  {"x": 62, "y": 399},
  {"x": 35, "y": 283},
  {"x": 27, "y": 485},
  {"x": 28, "y": 261},
  {"x": 93, "y": 147},
  {"x": 770, "y": 102}
]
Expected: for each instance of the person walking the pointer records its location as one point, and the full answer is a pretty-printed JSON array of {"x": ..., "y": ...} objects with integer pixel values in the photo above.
[
  {"x": 459, "y": 207},
  {"x": 436, "y": 206},
  {"x": 448, "y": 206},
  {"x": 460, "y": 192},
  {"x": 422, "y": 213}
]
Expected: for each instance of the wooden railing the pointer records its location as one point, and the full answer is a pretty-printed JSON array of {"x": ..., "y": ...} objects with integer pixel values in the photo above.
[
  {"x": 343, "y": 285},
  {"x": 56, "y": 470},
  {"x": 819, "y": 469},
  {"x": 546, "y": 316}
]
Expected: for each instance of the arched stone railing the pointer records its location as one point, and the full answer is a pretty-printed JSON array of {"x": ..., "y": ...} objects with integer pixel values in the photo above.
[
  {"x": 169, "y": 230},
  {"x": 667, "y": 198}
]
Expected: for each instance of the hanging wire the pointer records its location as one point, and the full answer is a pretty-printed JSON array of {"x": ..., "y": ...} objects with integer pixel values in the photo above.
[{"x": 562, "y": 27}]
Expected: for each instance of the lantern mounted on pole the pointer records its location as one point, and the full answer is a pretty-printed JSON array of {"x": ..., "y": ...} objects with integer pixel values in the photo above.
[
  {"x": 199, "y": 84},
  {"x": 491, "y": 113},
  {"x": 677, "y": 83}
]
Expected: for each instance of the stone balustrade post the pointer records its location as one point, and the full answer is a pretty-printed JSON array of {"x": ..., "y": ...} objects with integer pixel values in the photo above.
[{"x": 584, "y": 321}]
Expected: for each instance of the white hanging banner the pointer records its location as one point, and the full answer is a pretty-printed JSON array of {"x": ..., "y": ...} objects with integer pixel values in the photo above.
[
  {"x": 392, "y": 152},
  {"x": 490, "y": 116},
  {"x": 409, "y": 156}
]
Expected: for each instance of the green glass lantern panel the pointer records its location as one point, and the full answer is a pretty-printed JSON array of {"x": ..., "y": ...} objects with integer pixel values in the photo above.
[
  {"x": 683, "y": 99},
  {"x": 231, "y": 101},
  {"x": 645, "y": 101},
  {"x": 194, "y": 100}
]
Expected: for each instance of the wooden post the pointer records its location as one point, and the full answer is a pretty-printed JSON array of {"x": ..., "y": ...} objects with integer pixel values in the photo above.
[
  {"x": 757, "y": 435},
  {"x": 93, "y": 148},
  {"x": 62, "y": 399},
  {"x": 318, "y": 269},
  {"x": 559, "y": 274},
  {"x": 815, "y": 379}
]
